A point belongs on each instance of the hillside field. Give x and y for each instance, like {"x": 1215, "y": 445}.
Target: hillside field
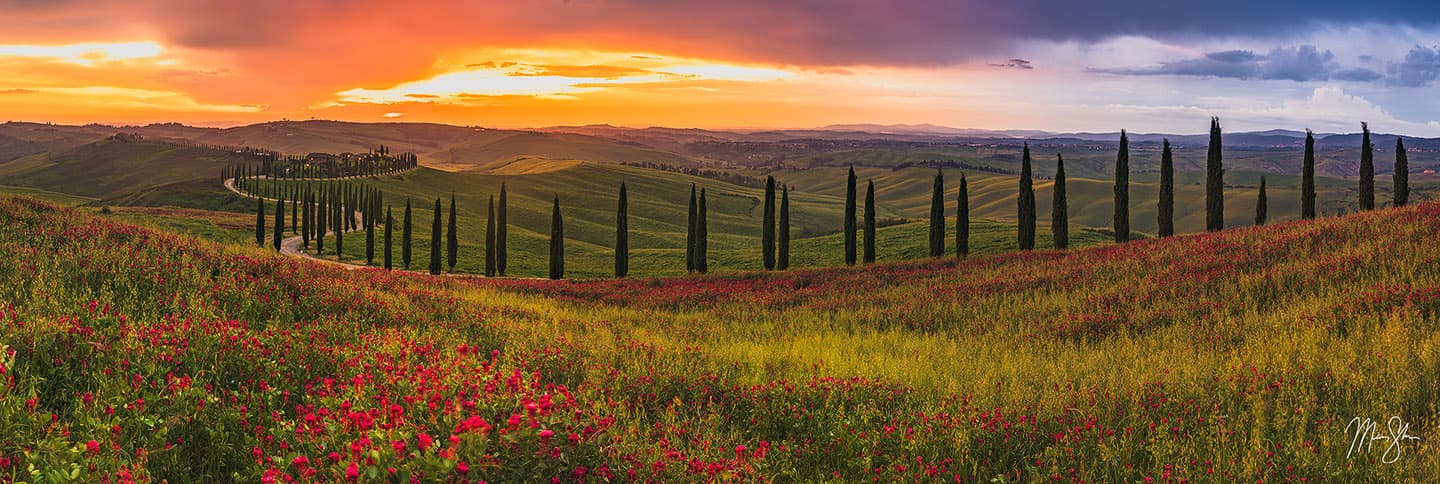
{"x": 132, "y": 353}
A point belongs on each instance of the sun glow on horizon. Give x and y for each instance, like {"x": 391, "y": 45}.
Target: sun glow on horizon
{"x": 89, "y": 53}
{"x": 479, "y": 78}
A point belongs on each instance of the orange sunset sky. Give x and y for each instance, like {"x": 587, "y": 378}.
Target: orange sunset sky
{"x": 1038, "y": 64}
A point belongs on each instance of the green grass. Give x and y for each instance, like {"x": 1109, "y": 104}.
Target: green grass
{"x": 62, "y": 199}
{"x": 110, "y": 168}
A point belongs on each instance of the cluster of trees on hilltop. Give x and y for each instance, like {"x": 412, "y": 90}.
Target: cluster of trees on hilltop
{"x": 273, "y": 165}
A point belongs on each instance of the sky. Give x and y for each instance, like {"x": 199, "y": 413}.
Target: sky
{"x": 1058, "y": 65}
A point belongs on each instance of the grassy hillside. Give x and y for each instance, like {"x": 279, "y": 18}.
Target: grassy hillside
{"x": 1232, "y": 356}
{"x": 446, "y": 147}
{"x": 112, "y": 168}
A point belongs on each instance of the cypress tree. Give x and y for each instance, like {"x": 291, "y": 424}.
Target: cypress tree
{"x": 850, "y": 217}
{"x": 557, "y": 242}
{"x": 1122, "y": 190}
{"x": 937, "y": 216}
{"x": 435, "y": 235}
{"x": 1026, "y": 210}
{"x": 305, "y": 221}
{"x": 869, "y": 221}
{"x": 490, "y": 240}
{"x": 389, "y": 234}
{"x": 452, "y": 240}
{"x": 1402, "y": 174}
{"x": 1059, "y": 210}
{"x": 783, "y": 259}
{"x": 1367, "y": 170}
{"x": 962, "y": 219}
{"x": 340, "y": 215}
{"x": 1214, "y": 181}
{"x": 405, "y": 237}
{"x": 259, "y": 221}
{"x": 622, "y": 235}
{"x": 279, "y": 222}
{"x": 320, "y": 221}
{"x": 1307, "y": 183}
{"x": 1261, "y": 204}
{"x": 702, "y": 236}
{"x": 500, "y": 233}
{"x": 1165, "y": 211}
{"x": 369, "y": 241}
{"x": 767, "y": 230}
{"x": 690, "y": 229}
{"x": 294, "y": 211}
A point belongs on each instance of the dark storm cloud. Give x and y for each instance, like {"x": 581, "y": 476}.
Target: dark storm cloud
{"x": 1014, "y": 64}
{"x": 1304, "y": 63}
{"x": 798, "y": 32}
{"x": 1420, "y": 67}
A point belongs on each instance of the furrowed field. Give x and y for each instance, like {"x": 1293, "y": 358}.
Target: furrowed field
{"x": 137, "y": 355}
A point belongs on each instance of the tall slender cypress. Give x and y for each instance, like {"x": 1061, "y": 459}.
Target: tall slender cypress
{"x": 937, "y": 215}
{"x": 1307, "y": 182}
{"x": 782, "y": 261}
{"x": 452, "y": 239}
{"x": 767, "y": 231}
{"x": 1122, "y": 190}
{"x": 1367, "y": 170}
{"x": 340, "y": 217}
{"x": 1214, "y": 181}
{"x": 279, "y": 222}
{"x": 850, "y": 217}
{"x": 1026, "y": 210}
{"x": 259, "y": 221}
{"x": 435, "y": 235}
{"x": 1059, "y": 210}
{"x": 490, "y": 240}
{"x": 405, "y": 237}
{"x": 500, "y": 232}
{"x": 1261, "y": 204}
{"x": 869, "y": 255}
{"x": 305, "y": 221}
{"x": 369, "y": 241}
{"x": 294, "y": 211}
{"x": 962, "y": 219}
{"x": 389, "y": 234}
{"x": 622, "y": 235}
{"x": 702, "y": 238}
{"x": 557, "y": 242}
{"x": 1402, "y": 174}
{"x": 690, "y": 229}
{"x": 1165, "y": 211}
{"x": 321, "y": 219}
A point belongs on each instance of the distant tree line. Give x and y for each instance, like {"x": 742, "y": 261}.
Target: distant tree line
{"x": 274, "y": 166}
{"x": 719, "y": 175}
{"x": 954, "y": 165}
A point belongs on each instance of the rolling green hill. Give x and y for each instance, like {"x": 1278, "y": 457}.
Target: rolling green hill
{"x": 116, "y": 167}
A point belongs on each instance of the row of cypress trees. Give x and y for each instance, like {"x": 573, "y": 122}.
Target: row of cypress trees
{"x": 1214, "y": 191}
{"x": 330, "y": 204}
{"x": 318, "y": 212}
